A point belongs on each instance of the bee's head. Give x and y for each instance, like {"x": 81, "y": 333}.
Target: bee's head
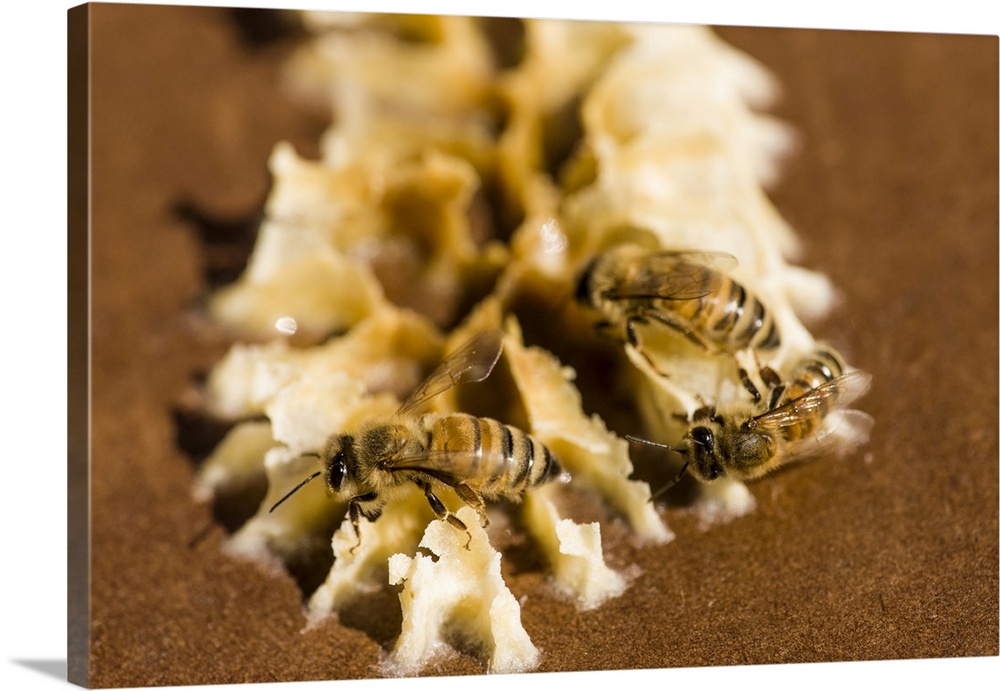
{"x": 338, "y": 454}
{"x": 702, "y": 451}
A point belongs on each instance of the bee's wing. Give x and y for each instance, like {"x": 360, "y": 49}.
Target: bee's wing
{"x": 836, "y": 393}
{"x": 451, "y": 466}
{"x": 677, "y": 275}
{"x": 471, "y": 363}
{"x": 841, "y": 432}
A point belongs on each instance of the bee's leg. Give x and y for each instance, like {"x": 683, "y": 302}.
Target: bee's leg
{"x": 777, "y": 390}
{"x": 633, "y": 339}
{"x": 749, "y": 385}
{"x": 688, "y": 332}
{"x": 705, "y": 412}
{"x": 770, "y": 377}
{"x": 772, "y": 380}
{"x": 776, "y": 394}
{"x": 633, "y": 336}
{"x": 472, "y": 498}
{"x": 767, "y": 373}
{"x": 777, "y": 387}
{"x": 442, "y": 512}
{"x": 354, "y": 511}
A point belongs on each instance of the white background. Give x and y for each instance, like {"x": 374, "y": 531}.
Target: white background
{"x": 33, "y": 269}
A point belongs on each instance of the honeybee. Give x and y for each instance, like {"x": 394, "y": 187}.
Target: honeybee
{"x": 687, "y": 291}
{"x": 477, "y": 457}
{"x": 748, "y": 440}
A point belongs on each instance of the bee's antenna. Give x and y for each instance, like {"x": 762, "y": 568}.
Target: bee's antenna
{"x": 670, "y": 484}
{"x": 296, "y": 489}
{"x": 639, "y": 440}
{"x": 677, "y": 479}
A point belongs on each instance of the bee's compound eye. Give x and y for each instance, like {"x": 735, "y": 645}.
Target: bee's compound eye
{"x": 714, "y": 471}
{"x": 703, "y": 437}
{"x": 338, "y": 470}
{"x": 338, "y": 449}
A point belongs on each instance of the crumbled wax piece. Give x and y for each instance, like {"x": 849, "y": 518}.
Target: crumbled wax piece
{"x": 573, "y": 552}
{"x": 540, "y": 243}
{"x": 681, "y": 81}
{"x": 675, "y": 156}
{"x": 456, "y": 593}
{"x": 810, "y": 294}
{"x": 296, "y": 527}
{"x": 312, "y": 207}
{"x": 446, "y": 75}
{"x": 360, "y": 561}
{"x": 305, "y": 410}
{"x": 325, "y": 292}
{"x": 723, "y": 501}
{"x": 387, "y": 351}
{"x": 233, "y": 389}
{"x": 594, "y": 457}
{"x": 238, "y": 458}
{"x": 560, "y": 60}
{"x": 338, "y": 243}
{"x": 845, "y": 431}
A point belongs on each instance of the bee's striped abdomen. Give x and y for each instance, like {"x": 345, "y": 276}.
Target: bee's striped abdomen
{"x": 493, "y": 458}
{"x": 823, "y": 365}
{"x": 730, "y": 318}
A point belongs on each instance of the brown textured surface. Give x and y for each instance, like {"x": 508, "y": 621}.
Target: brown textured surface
{"x": 894, "y": 192}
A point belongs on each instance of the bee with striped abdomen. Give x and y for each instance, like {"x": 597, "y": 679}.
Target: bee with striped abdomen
{"x": 479, "y": 458}
{"x": 687, "y": 291}
{"x": 748, "y": 440}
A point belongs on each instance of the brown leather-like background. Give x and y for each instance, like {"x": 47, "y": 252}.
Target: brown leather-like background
{"x": 890, "y": 553}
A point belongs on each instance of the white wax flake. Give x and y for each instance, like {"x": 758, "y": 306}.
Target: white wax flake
{"x": 539, "y": 243}
{"x": 359, "y": 565}
{"x": 457, "y": 593}
{"x": 573, "y": 552}
{"x": 294, "y": 526}
{"x": 308, "y": 410}
{"x": 237, "y": 459}
{"x": 722, "y": 501}
{"x": 286, "y": 326}
{"x": 593, "y": 456}
{"x": 845, "y": 430}
{"x": 328, "y": 290}
{"x": 553, "y": 239}
{"x": 234, "y": 389}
